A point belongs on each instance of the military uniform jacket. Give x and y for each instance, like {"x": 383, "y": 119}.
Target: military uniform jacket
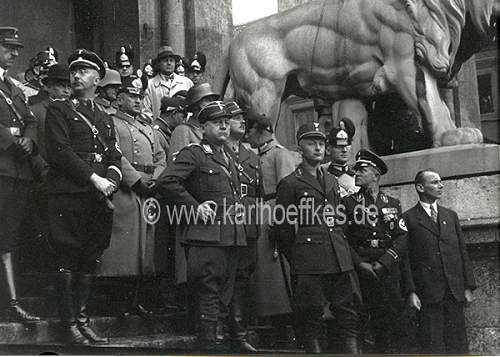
{"x": 142, "y": 155}
{"x": 437, "y": 255}
{"x": 275, "y": 162}
{"x": 376, "y": 229}
{"x": 247, "y": 164}
{"x": 183, "y": 135}
{"x": 316, "y": 243}
{"x": 13, "y": 163}
{"x": 200, "y": 173}
{"x": 74, "y": 152}
{"x": 345, "y": 178}
{"x": 164, "y": 133}
{"x": 106, "y": 106}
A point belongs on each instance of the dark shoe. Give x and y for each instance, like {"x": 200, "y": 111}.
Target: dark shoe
{"x": 313, "y": 346}
{"x": 242, "y": 346}
{"x": 17, "y": 313}
{"x": 91, "y": 335}
{"x": 71, "y": 335}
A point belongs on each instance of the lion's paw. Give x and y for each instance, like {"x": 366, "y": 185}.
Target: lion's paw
{"x": 461, "y": 136}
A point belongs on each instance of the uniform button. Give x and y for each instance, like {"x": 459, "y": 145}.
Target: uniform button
{"x": 374, "y": 224}
{"x": 331, "y": 229}
{"x": 135, "y": 162}
{"x": 374, "y": 233}
{"x": 135, "y": 140}
{"x": 210, "y": 171}
{"x": 308, "y": 239}
{"x": 305, "y": 193}
{"x": 234, "y": 193}
{"x": 136, "y": 151}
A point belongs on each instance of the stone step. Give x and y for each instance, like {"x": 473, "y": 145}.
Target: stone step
{"x": 172, "y": 344}
{"x": 47, "y": 330}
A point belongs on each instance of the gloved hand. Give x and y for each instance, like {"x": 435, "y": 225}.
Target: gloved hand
{"x": 141, "y": 188}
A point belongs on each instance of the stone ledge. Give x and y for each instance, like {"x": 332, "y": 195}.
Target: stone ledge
{"x": 450, "y": 161}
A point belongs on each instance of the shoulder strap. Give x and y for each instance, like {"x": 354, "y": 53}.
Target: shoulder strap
{"x": 11, "y": 105}
{"x": 92, "y": 128}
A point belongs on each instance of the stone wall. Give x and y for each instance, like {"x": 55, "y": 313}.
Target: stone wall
{"x": 471, "y": 177}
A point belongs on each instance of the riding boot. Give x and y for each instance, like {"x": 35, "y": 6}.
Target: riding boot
{"x": 238, "y": 331}
{"x": 312, "y": 330}
{"x": 207, "y": 336}
{"x": 352, "y": 346}
{"x": 69, "y": 328}
{"x": 14, "y": 310}
{"x": 84, "y": 283}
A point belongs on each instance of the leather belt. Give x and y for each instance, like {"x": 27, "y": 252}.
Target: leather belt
{"x": 147, "y": 169}
{"x": 90, "y": 156}
{"x": 376, "y": 244}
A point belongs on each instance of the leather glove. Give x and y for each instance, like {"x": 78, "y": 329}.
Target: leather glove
{"x": 140, "y": 188}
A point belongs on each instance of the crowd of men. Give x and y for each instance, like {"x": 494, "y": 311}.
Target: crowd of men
{"x": 102, "y": 144}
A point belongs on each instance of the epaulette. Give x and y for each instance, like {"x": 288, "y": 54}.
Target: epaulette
{"x": 298, "y": 172}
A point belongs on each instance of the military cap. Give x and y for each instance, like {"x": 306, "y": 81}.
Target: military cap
{"x": 57, "y": 72}
{"x": 172, "y": 103}
{"x": 10, "y": 36}
{"x": 212, "y": 111}
{"x": 234, "y": 109}
{"x": 85, "y": 58}
{"x": 112, "y": 77}
{"x": 309, "y": 131}
{"x": 167, "y": 51}
{"x": 342, "y": 135}
{"x": 46, "y": 58}
{"x": 124, "y": 56}
{"x": 255, "y": 119}
{"x": 198, "y": 92}
{"x": 366, "y": 158}
{"x": 132, "y": 86}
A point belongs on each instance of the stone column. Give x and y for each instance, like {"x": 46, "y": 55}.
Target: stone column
{"x": 149, "y": 29}
{"x": 172, "y": 25}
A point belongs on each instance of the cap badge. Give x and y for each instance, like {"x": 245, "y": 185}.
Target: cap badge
{"x": 122, "y": 49}
{"x": 316, "y": 126}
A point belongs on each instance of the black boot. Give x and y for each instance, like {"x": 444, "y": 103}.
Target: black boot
{"x": 84, "y": 283}
{"x": 69, "y": 328}
{"x": 14, "y": 310}
{"x": 312, "y": 345}
{"x": 238, "y": 331}
{"x": 207, "y": 336}
{"x": 352, "y": 346}
{"x": 313, "y": 329}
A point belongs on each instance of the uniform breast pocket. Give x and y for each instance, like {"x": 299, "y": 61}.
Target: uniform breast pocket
{"x": 210, "y": 179}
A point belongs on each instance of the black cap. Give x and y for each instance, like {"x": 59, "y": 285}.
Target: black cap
{"x": 57, "y": 72}
{"x": 234, "y": 109}
{"x": 132, "y": 86}
{"x": 124, "y": 56}
{"x": 10, "y": 36}
{"x": 85, "y": 58}
{"x": 367, "y": 158}
{"x": 342, "y": 135}
{"x": 212, "y": 111}
{"x": 255, "y": 119}
{"x": 172, "y": 103}
{"x": 198, "y": 62}
{"x": 181, "y": 94}
{"x": 310, "y": 130}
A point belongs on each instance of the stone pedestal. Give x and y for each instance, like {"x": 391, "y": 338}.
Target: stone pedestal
{"x": 471, "y": 176}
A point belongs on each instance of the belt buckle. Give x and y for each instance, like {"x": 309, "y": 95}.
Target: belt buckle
{"x": 97, "y": 157}
{"x": 374, "y": 243}
{"x": 243, "y": 189}
{"x": 15, "y": 131}
{"x": 330, "y": 221}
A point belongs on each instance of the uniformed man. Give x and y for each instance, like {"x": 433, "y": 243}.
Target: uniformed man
{"x": 166, "y": 83}
{"x": 319, "y": 254}
{"x": 108, "y": 91}
{"x": 132, "y": 249}
{"x": 203, "y": 180}
{"x": 84, "y": 172}
{"x": 172, "y": 114}
{"x": 378, "y": 234}
{"x": 339, "y": 148}
{"x": 123, "y": 61}
{"x": 247, "y": 163}
{"x": 17, "y": 146}
{"x": 196, "y": 67}
{"x": 272, "y": 275}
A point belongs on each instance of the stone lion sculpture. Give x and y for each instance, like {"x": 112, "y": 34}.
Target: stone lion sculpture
{"x": 339, "y": 49}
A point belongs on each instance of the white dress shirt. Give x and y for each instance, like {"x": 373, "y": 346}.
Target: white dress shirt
{"x": 427, "y": 207}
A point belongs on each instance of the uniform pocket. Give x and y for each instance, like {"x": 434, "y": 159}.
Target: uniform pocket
{"x": 210, "y": 179}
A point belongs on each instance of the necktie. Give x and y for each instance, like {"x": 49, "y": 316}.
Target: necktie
{"x": 434, "y": 214}
{"x": 319, "y": 176}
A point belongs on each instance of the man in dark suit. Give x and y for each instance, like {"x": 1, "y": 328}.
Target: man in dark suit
{"x": 203, "y": 181}
{"x": 85, "y": 164}
{"x": 440, "y": 279}
{"x": 17, "y": 146}
{"x": 319, "y": 254}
